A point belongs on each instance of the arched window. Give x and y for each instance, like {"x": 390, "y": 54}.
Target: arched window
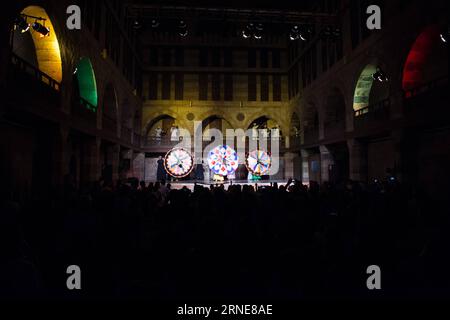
{"x": 86, "y": 84}
{"x": 426, "y": 61}
{"x": 40, "y": 52}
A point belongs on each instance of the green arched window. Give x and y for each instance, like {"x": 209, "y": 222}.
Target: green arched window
{"x": 86, "y": 84}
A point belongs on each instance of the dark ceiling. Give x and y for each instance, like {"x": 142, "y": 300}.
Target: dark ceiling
{"x": 304, "y": 5}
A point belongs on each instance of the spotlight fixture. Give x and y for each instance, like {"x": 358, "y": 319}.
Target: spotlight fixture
{"x": 327, "y": 31}
{"x": 253, "y": 30}
{"x": 154, "y": 23}
{"x": 301, "y": 33}
{"x": 379, "y": 75}
{"x": 331, "y": 32}
{"x": 336, "y": 32}
{"x": 248, "y": 31}
{"x": 182, "y": 28}
{"x": 258, "y": 34}
{"x": 246, "y": 34}
{"x": 137, "y": 24}
{"x": 294, "y": 33}
{"x": 21, "y": 23}
{"x": 304, "y": 35}
{"x": 43, "y": 30}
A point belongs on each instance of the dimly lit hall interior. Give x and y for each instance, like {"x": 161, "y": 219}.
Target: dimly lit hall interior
{"x": 208, "y": 151}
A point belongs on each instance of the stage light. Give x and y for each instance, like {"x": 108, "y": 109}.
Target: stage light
{"x": 303, "y": 36}
{"x": 182, "y": 24}
{"x": 137, "y": 24}
{"x": 182, "y": 28}
{"x": 303, "y": 33}
{"x": 246, "y": 34}
{"x": 21, "y": 23}
{"x": 43, "y": 30}
{"x": 259, "y": 27}
{"x": 248, "y": 31}
{"x": 379, "y": 75}
{"x": 294, "y": 34}
{"x": 327, "y": 31}
{"x": 337, "y": 32}
{"x": 155, "y": 23}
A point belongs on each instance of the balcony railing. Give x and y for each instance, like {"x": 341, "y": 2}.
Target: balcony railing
{"x": 163, "y": 141}
{"x": 376, "y": 110}
{"x": 168, "y": 142}
{"x": 426, "y": 87}
{"x": 28, "y": 68}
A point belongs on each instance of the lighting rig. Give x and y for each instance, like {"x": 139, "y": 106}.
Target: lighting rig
{"x": 21, "y": 23}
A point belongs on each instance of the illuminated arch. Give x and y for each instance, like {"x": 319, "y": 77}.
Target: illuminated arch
{"x": 414, "y": 71}
{"x": 47, "y": 50}
{"x": 363, "y": 88}
{"x": 215, "y": 121}
{"x": 86, "y": 82}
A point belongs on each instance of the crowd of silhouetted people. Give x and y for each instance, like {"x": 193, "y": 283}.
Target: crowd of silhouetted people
{"x": 283, "y": 241}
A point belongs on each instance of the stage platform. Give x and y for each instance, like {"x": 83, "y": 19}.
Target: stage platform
{"x": 190, "y": 183}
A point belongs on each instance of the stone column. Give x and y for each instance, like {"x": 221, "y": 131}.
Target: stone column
{"x": 137, "y": 165}
{"x": 357, "y": 152}
{"x": 60, "y": 157}
{"x": 305, "y": 164}
{"x": 326, "y": 160}
{"x": 289, "y": 165}
{"x": 113, "y": 157}
{"x": 91, "y": 160}
{"x": 126, "y": 154}
{"x": 396, "y": 107}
